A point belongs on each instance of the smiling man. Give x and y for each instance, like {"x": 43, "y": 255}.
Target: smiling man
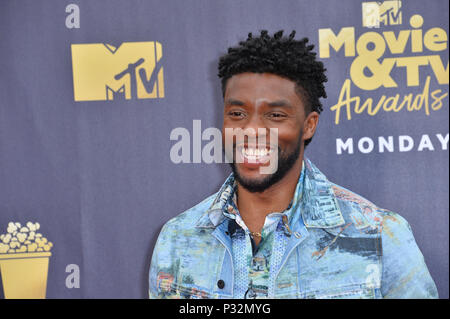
{"x": 287, "y": 232}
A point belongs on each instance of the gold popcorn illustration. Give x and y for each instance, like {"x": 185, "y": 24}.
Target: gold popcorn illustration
{"x": 24, "y": 258}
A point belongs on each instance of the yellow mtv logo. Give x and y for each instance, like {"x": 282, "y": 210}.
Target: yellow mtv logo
{"x": 104, "y": 72}
{"x": 387, "y": 13}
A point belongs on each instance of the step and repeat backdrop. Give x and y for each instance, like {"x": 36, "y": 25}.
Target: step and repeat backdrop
{"x": 96, "y": 97}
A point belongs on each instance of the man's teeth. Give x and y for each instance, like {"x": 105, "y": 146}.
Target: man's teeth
{"x": 255, "y": 152}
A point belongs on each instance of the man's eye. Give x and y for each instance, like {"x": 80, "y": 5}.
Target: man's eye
{"x": 277, "y": 115}
{"x": 235, "y": 113}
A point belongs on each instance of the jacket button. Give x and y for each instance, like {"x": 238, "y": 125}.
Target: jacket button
{"x": 221, "y": 284}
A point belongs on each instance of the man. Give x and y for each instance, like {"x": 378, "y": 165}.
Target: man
{"x": 290, "y": 233}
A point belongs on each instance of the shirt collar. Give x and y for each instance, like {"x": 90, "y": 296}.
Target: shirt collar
{"x": 231, "y": 211}
{"x": 313, "y": 198}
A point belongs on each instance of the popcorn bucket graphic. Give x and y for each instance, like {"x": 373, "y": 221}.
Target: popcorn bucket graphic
{"x": 24, "y": 258}
{"x": 24, "y": 275}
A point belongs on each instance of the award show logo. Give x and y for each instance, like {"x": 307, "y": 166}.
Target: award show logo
{"x": 132, "y": 70}
{"x": 407, "y": 69}
{"x": 387, "y": 13}
{"x": 24, "y": 259}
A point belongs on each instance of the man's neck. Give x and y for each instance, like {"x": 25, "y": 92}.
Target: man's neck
{"x": 254, "y": 207}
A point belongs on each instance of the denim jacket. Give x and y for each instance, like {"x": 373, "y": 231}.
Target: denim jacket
{"x": 341, "y": 246}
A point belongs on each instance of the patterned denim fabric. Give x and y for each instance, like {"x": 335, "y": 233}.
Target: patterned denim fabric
{"x": 340, "y": 245}
{"x": 255, "y": 274}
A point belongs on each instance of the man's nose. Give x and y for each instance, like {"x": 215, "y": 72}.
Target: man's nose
{"x": 257, "y": 126}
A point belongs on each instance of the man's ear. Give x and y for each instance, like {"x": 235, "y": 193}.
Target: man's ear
{"x": 310, "y": 125}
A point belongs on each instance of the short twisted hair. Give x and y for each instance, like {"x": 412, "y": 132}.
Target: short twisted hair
{"x": 283, "y": 56}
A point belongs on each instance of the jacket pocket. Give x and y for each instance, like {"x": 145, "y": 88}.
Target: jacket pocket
{"x": 344, "y": 292}
{"x": 190, "y": 291}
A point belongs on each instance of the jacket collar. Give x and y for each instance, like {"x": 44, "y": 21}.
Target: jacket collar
{"x": 214, "y": 214}
{"x": 318, "y": 205}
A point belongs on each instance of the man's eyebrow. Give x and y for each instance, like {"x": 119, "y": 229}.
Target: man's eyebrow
{"x": 280, "y": 103}
{"x": 277, "y": 103}
{"x": 234, "y": 102}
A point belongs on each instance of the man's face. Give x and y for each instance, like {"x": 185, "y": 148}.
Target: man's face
{"x": 263, "y": 101}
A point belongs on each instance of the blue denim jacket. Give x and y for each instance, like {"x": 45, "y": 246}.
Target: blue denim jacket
{"x": 340, "y": 246}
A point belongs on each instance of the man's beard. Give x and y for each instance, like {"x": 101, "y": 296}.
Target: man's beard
{"x": 285, "y": 162}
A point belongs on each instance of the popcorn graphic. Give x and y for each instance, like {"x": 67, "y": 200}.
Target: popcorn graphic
{"x": 24, "y": 258}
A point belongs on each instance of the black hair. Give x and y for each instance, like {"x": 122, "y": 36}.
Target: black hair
{"x": 282, "y": 56}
